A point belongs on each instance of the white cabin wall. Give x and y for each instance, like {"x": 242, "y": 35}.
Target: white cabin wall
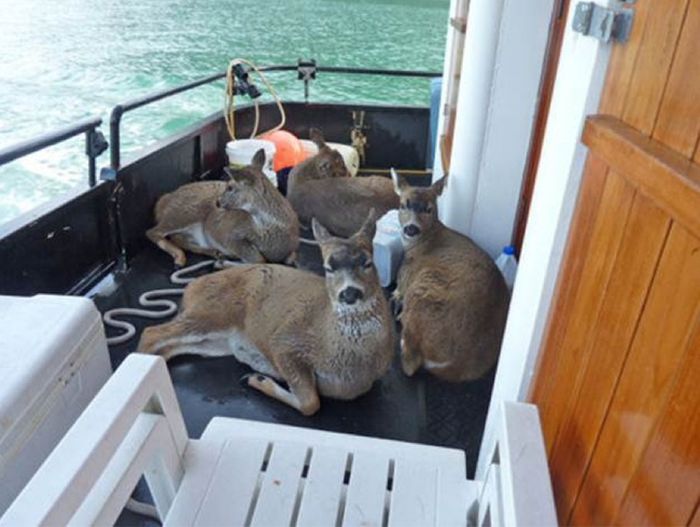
{"x": 513, "y": 103}
{"x": 480, "y": 43}
{"x": 579, "y": 83}
{"x": 505, "y": 49}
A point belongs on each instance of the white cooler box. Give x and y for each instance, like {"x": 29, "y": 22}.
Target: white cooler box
{"x": 53, "y": 360}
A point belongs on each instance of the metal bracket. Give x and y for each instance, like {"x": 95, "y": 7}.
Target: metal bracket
{"x": 603, "y": 23}
{"x": 306, "y": 71}
{"x": 96, "y": 143}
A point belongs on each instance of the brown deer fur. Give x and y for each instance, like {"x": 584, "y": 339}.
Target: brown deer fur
{"x": 332, "y": 337}
{"x": 244, "y": 218}
{"x": 322, "y": 188}
{"x": 454, "y": 299}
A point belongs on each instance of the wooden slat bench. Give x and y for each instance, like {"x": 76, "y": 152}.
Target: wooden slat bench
{"x": 250, "y": 473}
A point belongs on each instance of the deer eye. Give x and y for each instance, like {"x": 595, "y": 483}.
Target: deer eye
{"x": 330, "y": 267}
{"x": 367, "y": 265}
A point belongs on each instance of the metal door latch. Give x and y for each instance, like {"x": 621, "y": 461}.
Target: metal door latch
{"x": 603, "y": 23}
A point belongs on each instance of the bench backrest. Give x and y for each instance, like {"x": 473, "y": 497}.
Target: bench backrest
{"x": 132, "y": 428}
{"x": 517, "y": 489}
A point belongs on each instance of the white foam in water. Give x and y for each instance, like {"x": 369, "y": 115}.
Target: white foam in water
{"x": 48, "y": 82}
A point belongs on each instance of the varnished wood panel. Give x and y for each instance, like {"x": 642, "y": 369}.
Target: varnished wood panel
{"x": 666, "y": 486}
{"x": 576, "y": 251}
{"x": 668, "y": 177}
{"x": 619, "y": 359}
{"x": 678, "y": 124}
{"x": 657, "y": 48}
{"x": 649, "y": 373}
{"x": 605, "y": 344}
{"x": 579, "y": 320}
{"x": 622, "y": 62}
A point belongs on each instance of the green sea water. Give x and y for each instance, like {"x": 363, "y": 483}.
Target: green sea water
{"x": 62, "y": 60}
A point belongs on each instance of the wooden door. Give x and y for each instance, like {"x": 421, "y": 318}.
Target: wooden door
{"x": 618, "y": 384}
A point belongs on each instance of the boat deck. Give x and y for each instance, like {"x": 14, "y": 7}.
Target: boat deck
{"x": 421, "y": 409}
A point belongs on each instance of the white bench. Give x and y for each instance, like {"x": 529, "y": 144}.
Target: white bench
{"x": 250, "y": 473}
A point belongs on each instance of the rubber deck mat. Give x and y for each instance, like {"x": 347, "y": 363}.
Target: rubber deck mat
{"x": 420, "y": 409}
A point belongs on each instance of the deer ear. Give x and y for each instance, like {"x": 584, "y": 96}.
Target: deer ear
{"x": 320, "y": 232}
{"x": 439, "y": 185}
{"x": 240, "y": 176}
{"x": 369, "y": 227}
{"x": 317, "y": 137}
{"x": 259, "y": 159}
{"x": 399, "y": 183}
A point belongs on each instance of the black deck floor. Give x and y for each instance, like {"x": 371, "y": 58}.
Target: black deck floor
{"x": 419, "y": 409}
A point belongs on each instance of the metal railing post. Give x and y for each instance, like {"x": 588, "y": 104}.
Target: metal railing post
{"x": 115, "y": 120}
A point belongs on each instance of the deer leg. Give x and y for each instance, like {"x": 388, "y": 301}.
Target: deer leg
{"x": 411, "y": 358}
{"x": 158, "y": 237}
{"x": 248, "y": 252}
{"x": 302, "y": 393}
{"x": 181, "y": 336}
{"x": 184, "y": 243}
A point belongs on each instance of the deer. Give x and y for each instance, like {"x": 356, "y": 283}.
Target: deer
{"x": 321, "y": 187}
{"x": 452, "y": 298}
{"x": 244, "y": 218}
{"x": 329, "y": 336}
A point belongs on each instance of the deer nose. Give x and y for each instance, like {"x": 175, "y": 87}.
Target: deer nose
{"x": 350, "y": 295}
{"x": 411, "y": 230}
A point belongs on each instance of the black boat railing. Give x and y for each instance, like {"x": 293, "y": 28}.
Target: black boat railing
{"x": 95, "y": 144}
{"x": 120, "y": 109}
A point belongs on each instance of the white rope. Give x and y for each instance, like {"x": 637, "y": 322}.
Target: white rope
{"x": 152, "y": 300}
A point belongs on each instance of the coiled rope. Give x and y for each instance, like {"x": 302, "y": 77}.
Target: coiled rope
{"x": 151, "y": 300}
{"x": 230, "y": 101}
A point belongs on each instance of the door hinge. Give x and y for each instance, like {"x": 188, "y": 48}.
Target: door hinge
{"x": 603, "y": 23}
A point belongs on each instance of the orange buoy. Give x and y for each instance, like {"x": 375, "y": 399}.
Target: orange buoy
{"x": 289, "y": 150}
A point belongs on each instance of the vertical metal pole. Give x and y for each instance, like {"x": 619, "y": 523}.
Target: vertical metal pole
{"x": 92, "y": 180}
{"x": 114, "y": 123}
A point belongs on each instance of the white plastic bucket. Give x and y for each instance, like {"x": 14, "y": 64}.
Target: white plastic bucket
{"x": 350, "y": 155}
{"x": 241, "y": 151}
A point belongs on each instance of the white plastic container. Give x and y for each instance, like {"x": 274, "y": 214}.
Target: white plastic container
{"x": 53, "y": 360}
{"x": 241, "y": 151}
{"x": 508, "y": 265}
{"x": 388, "y": 247}
{"x": 350, "y": 155}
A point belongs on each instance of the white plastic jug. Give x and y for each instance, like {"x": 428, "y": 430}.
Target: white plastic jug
{"x": 508, "y": 265}
{"x": 241, "y": 151}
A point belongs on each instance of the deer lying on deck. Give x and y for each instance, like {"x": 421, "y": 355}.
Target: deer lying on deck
{"x": 321, "y": 187}
{"x": 454, "y": 299}
{"x": 332, "y": 336}
{"x": 245, "y": 218}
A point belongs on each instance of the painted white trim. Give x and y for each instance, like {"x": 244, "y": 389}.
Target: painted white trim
{"x": 580, "y": 78}
{"x": 504, "y": 54}
{"x": 512, "y": 109}
{"x": 480, "y": 43}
